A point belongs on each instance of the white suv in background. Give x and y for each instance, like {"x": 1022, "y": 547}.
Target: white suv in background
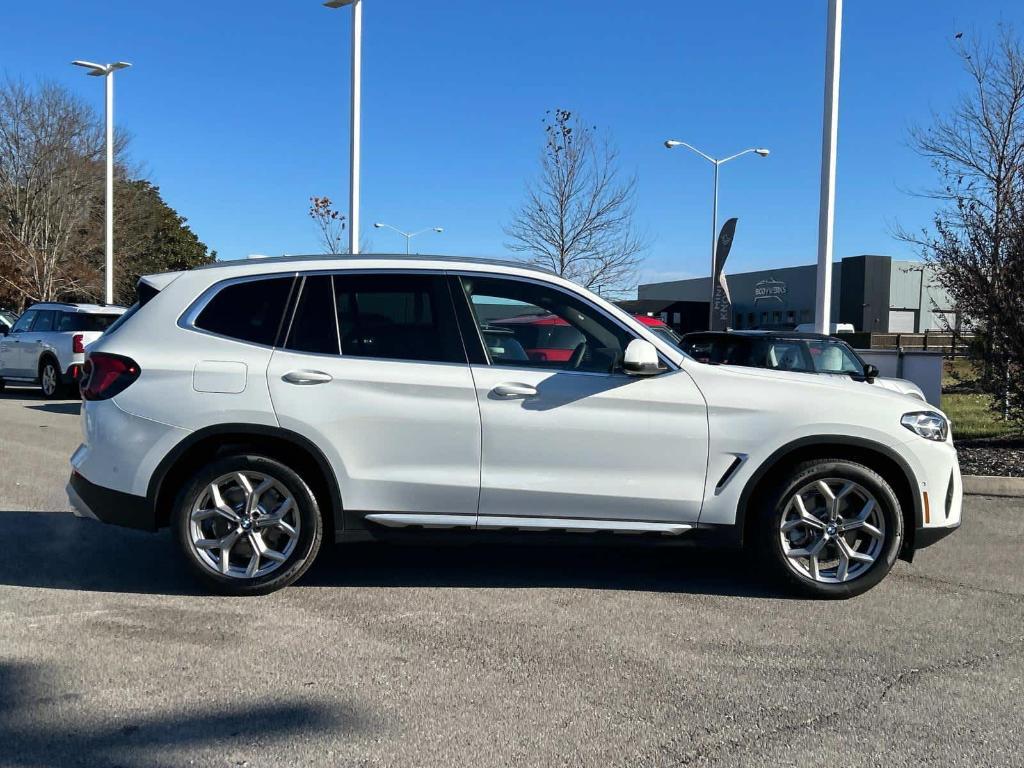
{"x": 47, "y": 345}
{"x": 257, "y": 407}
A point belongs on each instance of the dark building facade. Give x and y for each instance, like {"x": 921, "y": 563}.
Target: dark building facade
{"x": 872, "y": 293}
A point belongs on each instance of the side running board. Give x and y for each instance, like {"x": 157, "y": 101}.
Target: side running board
{"x": 495, "y": 523}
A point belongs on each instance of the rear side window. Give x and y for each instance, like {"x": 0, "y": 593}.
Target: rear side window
{"x": 398, "y": 317}
{"x": 248, "y": 311}
{"x": 83, "y": 321}
{"x": 314, "y": 327}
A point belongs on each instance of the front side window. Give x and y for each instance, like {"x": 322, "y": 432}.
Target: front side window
{"x": 397, "y": 317}
{"x": 25, "y": 321}
{"x": 830, "y": 357}
{"x": 666, "y": 333}
{"x": 524, "y": 324}
{"x": 44, "y": 321}
{"x": 248, "y": 311}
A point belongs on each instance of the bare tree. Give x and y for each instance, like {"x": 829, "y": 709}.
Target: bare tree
{"x": 51, "y": 145}
{"x": 330, "y": 224}
{"x": 977, "y": 244}
{"x": 578, "y": 216}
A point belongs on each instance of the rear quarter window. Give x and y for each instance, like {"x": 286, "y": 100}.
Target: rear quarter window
{"x": 248, "y": 311}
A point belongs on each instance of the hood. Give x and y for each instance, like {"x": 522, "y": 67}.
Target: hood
{"x": 835, "y": 382}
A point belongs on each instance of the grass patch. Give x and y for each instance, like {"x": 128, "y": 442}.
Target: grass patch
{"x": 972, "y": 417}
{"x": 968, "y": 409}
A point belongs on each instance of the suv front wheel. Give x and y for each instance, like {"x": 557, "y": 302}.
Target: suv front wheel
{"x": 248, "y": 525}
{"x": 833, "y": 528}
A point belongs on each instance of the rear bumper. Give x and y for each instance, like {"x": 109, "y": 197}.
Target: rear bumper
{"x": 109, "y": 506}
{"x": 73, "y": 374}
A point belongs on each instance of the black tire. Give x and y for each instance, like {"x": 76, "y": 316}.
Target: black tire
{"x": 310, "y": 528}
{"x": 3, "y": 385}
{"x": 785, "y": 569}
{"x": 59, "y": 389}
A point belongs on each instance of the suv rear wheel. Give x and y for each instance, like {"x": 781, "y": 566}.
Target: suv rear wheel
{"x": 833, "y": 528}
{"x": 248, "y": 525}
{"x": 50, "y": 379}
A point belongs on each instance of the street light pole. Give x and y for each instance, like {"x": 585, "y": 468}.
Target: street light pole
{"x": 407, "y": 235}
{"x": 355, "y": 118}
{"x": 107, "y": 71}
{"x": 829, "y": 139}
{"x": 717, "y": 163}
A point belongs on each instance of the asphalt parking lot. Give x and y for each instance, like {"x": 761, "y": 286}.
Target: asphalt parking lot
{"x": 109, "y": 655}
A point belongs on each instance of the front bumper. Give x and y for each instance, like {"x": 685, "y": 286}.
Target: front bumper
{"x": 93, "y": 501}
{"x": 925, "y": 537}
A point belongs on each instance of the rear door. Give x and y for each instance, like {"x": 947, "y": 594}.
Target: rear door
{"x": 390, "y": 399}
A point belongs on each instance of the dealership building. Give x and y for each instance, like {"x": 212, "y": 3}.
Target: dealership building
{"x": 873, "y": 293}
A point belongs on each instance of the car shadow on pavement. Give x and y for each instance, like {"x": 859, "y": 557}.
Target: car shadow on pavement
{"x": 72, "y": 408}
{"x": 44, "y": 723}
{"x": 526, "y": 566}
{"x": 59, "y": 551}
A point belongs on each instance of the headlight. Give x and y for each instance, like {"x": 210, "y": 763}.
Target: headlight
{"x": 927, "y": 424}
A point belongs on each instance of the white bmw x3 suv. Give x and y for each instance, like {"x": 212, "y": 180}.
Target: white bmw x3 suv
{"x": 257, "y": 407}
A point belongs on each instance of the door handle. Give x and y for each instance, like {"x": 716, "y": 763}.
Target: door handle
{"x": 513, "y": 389}
{"x": 305, "y": 378}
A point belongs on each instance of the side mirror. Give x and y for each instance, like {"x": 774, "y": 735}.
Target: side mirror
{"x": 641, "y": 359}
{"x": 870, "y": 372}
{"x": 3, "y": 330}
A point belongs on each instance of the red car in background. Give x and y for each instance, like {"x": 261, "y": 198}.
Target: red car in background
{"x": 549, "y": 338}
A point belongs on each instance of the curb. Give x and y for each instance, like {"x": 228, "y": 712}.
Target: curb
{"x": 986, "y": 485}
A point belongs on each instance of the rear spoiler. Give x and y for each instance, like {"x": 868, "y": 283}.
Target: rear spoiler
{"x": 159, "y": 281}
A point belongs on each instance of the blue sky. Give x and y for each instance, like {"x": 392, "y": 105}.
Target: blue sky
{"x": 239, "y": 111}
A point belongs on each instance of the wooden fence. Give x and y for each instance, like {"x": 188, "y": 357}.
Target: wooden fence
{"x": 949, "y": 344}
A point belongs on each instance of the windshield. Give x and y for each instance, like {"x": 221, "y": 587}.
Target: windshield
{"x": 7, "y": 318}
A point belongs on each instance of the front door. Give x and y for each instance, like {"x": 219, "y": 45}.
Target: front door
{"x": 389, "y": 399}
{"x": 566, "y": 434}
{"x": 12, "y": 359}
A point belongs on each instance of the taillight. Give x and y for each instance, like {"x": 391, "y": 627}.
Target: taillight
{"x": 105, "y": 375}
{"x": 78, "y": 343}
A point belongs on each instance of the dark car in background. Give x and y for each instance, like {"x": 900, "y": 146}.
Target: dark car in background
{"x": 7, "y": 321}
{"x": 789, "y": 351}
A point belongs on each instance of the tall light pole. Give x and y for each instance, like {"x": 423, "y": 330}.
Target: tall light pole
{"x": 829, "y": 138}
{"x": 353, "y": 178}
{"x": 717, "y": 162}
{"x": 107, "y": 71}
{"x": 408, "y": 235}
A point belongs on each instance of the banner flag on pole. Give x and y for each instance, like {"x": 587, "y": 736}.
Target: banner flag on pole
{"x": 722, "y": 302}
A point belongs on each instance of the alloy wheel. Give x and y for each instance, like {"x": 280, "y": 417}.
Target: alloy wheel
{"x": 832, "y": 531}
{"x": 49, "y": 380}
{"x": 244, "y": 525}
